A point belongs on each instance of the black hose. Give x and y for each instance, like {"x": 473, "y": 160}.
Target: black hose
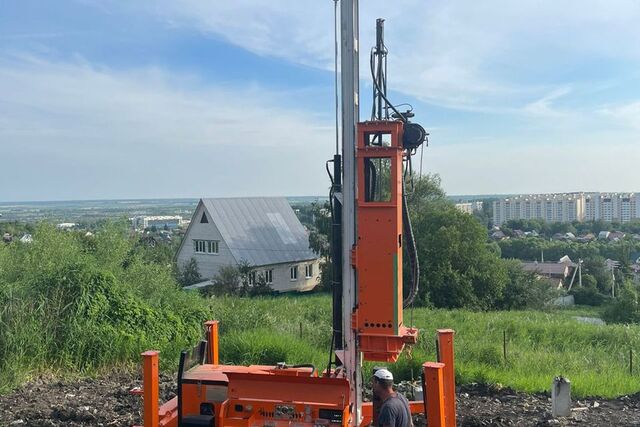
{"x": 306, "y": 365}
{"x": 412, "y": 249}
{"x": 375, "y": 83}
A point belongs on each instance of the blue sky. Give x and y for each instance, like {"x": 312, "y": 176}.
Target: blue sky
{"x": 190, "y": 98}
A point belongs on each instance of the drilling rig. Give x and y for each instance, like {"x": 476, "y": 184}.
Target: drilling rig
{"x": 370, "y": 231}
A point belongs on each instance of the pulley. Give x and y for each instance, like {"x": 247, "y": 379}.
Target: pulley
{"x": 414, "y": 135}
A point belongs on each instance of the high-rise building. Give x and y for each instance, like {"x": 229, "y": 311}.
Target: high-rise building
{"x": 568, "y": 207}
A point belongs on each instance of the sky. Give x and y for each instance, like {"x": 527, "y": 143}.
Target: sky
{"x": 193, "y": 98}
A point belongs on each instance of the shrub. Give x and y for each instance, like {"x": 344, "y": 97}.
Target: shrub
{"x": 588, "y": 296}
{"x": 625, "y": 308}
{"x": 67, "y": 302}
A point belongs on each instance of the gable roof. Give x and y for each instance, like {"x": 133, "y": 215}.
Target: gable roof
{"x": 546, "y": 268}
{"x": 260, "y": 230}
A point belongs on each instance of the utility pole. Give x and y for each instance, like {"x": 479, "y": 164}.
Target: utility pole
{"x": 349, "y": 46}
{"x": 580, "y": 272}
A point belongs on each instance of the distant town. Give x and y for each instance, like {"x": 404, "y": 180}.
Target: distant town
{"x": 568, "y": 207}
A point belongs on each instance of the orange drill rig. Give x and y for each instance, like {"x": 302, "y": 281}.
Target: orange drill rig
{"x": 370, "y": 231}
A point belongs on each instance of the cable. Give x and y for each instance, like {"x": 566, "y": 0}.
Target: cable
{"x": 375, "y": 83}
{"x": 326, "y": 165}
{"x": 413, "y": 251}
{"x": 335, "y": 63}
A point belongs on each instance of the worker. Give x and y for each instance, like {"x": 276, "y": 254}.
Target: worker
{"x": 394, "y": 411}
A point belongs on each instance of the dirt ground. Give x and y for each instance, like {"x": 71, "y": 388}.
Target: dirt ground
{"x": 106, "y": 401}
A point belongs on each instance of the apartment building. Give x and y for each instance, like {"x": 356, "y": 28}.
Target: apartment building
{"x": 549, "y": 207}
{"x": 568, "y": 207}
{"x": 621, "y": 207}
{"x": 469, "y": 207}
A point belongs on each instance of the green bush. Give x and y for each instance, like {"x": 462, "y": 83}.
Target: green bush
{"x": 625, "y": 308}
{"x": 78, "y": 304}
{"x": 588, "y": 296}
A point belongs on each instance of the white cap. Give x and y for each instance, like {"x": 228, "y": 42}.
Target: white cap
{"x": 383, "y": 374}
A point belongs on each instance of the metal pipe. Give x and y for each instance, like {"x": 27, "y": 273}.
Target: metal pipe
{"x": 350, "y": 116}
{"x": 434, "y": 394}
{"x": 212, "y": 337}
{"x": 336, "y": 252}
{"x": 150, "y": 388}
{"x": 445, "y": 355}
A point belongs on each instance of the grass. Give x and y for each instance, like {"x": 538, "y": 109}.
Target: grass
{"x": 76, "y": 304}
{"x": 540, "y": 345}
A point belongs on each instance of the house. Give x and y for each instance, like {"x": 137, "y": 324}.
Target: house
{"x": 614, "y": 236}
{"x": 159, "y": 222}
{"x": 66, "y": 226}
{"x": 554, "y": 272}
{"x": 498, "y": 235}
{"x": 26, "y": 238}
{"x": 261, "y": 231}
{"x": 586, "y": 238}
{"x": 603, "y": 234}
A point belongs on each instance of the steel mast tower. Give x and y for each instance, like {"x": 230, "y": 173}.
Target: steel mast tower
{"x": 350, "y": 89}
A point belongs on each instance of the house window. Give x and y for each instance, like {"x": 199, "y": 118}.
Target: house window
{"x": 204, "y": 219}
{"x": 294, "y": 272}
{"x": 308, "y": 271}
{"x": 252, "y": 278}
{"x": 205, "y": 246}
{"x": 268, "y": 276}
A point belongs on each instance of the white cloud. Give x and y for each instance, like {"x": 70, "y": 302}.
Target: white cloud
{"x": 627, "y": 114}
{"x": 464, "y": 54}
{"x": 78, "y": 100}
{"x": 543, "y": 107}
{"x": 73, "y": 130}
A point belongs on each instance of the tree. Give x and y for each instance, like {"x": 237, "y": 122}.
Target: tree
{"x": 227, "y": 281}
{"x": 523, "y": 289}
{"x": 458, "y": 269}
{"x": 320, "y": 235}
{"x": 625, "y": 308}
{"x": 189, "y": 273}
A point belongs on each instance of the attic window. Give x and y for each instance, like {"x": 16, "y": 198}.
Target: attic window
{"x": 204, "y": 219}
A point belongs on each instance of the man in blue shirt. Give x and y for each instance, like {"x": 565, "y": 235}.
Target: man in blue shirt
{"x": 395, "y": 410}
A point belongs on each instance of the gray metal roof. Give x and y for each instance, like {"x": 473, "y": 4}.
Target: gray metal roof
{"x": 260, "y": 230}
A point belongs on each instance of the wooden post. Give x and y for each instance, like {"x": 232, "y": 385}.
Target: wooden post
{"x": 212, "y": 336}
{"x": 150, "y": 389}
{"x": 446, "y": 356}
{"x": 434, "y": 394}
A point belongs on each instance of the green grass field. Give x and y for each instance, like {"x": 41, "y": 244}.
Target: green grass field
{"x": 540, "y": 345}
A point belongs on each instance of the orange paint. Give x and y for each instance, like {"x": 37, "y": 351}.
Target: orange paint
{"x": 434, "y": 394}
{"x": 150, "y": 388}
{"x": 211, "y": 327}
{"x": 378, "y": 251}
{"x": 445, "y": 349}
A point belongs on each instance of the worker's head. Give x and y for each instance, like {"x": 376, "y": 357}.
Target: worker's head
{"x": 382, "y": 380}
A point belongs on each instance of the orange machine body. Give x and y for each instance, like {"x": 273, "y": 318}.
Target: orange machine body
{"x": 245, "y": 396}
{"x": 378, "y": 252}
{"x": 214, "y": 395}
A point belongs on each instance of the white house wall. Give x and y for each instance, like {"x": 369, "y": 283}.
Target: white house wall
{"x": 282, "y": 276}
{"x": 208, "y": 264}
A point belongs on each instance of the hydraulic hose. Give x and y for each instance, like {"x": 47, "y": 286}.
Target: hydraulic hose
{"x": 411, "y": 248}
